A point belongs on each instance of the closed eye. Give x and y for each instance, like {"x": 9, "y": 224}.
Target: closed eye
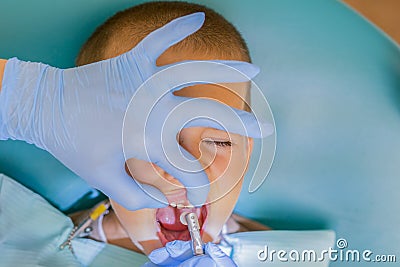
{"x": 218, "y": 143}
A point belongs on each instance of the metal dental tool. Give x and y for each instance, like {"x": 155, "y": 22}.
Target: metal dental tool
{"x": 83, "y": 226}
{"x": 191, "y": 220}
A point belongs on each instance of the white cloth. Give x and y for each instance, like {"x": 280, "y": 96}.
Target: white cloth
{"x": 31, "y": 231}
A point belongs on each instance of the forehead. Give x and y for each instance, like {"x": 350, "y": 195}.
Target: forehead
{"x": 232, "y": 94}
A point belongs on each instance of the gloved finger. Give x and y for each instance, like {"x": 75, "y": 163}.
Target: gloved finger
{"x": 147, "y": 173}
{"x": 199, "y": 261}
{"x": 189, "y": 113}
{"x": 148, "y": 145}
{"x": 181, "y": 164}
{"x": 149, "y": 264}
{"x": 154, "y": 44}
{"x": 218, "y": 256}
{"x": 131, "y": 196}
{"x": 195, "y": 182}
{"x": 118, "y": 185}
{"x": 179, "y": 250}
{"x": 174, "y": 76}
{"x": 172, "y": 254}
{"x": 160, "y": 257}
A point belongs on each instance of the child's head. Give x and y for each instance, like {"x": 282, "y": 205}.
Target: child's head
{"x": 224, "y": 156}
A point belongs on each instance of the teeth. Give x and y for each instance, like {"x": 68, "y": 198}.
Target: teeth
{"x": 181, "y": 205}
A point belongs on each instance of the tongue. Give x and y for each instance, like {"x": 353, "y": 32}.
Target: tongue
{"x": 169, "y": 217}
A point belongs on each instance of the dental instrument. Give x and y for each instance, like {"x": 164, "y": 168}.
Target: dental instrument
{"x": 191, "y": 220}
{"x": 83, "y": 228}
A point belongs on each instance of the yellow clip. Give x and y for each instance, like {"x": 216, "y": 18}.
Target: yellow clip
{"x": 98, "y": 211}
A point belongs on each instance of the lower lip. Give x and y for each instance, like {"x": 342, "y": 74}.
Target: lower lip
{"x": 173, "y": 229}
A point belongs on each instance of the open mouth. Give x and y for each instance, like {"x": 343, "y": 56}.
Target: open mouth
{"x": 171, "y": 228}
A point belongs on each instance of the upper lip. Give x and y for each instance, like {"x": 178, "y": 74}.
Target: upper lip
{"x": 177, "y": 196}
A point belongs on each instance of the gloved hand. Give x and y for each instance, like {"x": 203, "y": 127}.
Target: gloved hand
{"x": 162, "y": 121}
{"x": 179, "y": 253}
{"x": 77, "y": 114}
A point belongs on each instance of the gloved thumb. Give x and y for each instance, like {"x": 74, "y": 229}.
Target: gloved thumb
{"x": 218, "y": 256}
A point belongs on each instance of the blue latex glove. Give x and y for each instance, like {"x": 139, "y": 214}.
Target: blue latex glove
{"x": 77, "y": 114}
{"x": 179, "y": 253}
{"x": 159, "y": 141}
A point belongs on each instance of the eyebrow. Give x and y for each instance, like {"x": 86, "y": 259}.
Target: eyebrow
{"x": 218, "y": 131}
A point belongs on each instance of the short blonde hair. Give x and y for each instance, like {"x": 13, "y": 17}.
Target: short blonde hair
{"x": 124, "y": 30}
{"x": 217, "y": 38}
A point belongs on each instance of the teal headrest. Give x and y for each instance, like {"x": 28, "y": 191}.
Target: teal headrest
{"x": 333, "y": 82}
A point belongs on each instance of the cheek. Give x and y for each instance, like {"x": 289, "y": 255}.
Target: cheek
{"x": 139, "y": 168}
{"x": 218, "y": 167}
{"x": 230, "y": 164}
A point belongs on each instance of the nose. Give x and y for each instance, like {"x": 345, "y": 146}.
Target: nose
{"x": 151, "y": 174}
{"x": 165, "y": 175}
{"x": 174, "y": 192}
